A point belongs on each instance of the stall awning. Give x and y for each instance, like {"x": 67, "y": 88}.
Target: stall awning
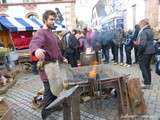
{"x": 59, "y": 26}
{"x": 18, "y": 24}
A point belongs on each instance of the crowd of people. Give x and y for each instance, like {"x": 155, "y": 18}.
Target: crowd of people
{"x": 118, "y": 41}
{"x": 74, "y": 42}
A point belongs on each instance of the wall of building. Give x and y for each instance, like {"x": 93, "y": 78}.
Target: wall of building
{"x": 144, "y": 9}
{"x": 21, "y": 10}
{"x": 134, "y": 12}
{"x": 152, "y": 12}
{"x": 158, "y": 26}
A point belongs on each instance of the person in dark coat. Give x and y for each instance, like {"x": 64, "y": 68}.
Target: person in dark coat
{"x": 83, "y": 42}
{"x": 146, "y": 50}
{"x": 71, "y": 52}
{"x": 118, "y": 41}
{"x": 135, "y": 34}
{"x": 106, "y": 38}
{"x": 44, "y": 46}
{"x": 128, "y": 47}
{"x": 96, "y": 44}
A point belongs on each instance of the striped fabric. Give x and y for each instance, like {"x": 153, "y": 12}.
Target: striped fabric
{"x": 24, "y": 24}
{"x": 18, "y": 24}
{"x": 58, "y": 26}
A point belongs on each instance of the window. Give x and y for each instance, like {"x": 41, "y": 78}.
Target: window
{"x": 32, "y": 16}
{"x": 3, "y": 1}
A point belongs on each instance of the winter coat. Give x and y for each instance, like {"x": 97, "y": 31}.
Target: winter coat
{"x": 128, "y": 41}
{"x": 146, "y": 45}
{"x": 96, "y": 42}
{"x": 106, "y": 37}
{"x": 118, "y": 38}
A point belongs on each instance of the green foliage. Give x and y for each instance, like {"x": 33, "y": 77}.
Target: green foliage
{"x": 3, "y": 51}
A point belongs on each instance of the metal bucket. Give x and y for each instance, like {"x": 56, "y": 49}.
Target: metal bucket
{"x": 12, "y": 56}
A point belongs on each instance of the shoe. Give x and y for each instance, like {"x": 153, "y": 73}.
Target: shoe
{"x": 128, "y": 66}
{"x": 105, "y": 61}
{"x": 143, "y": 86}
{"x": 112, "y": 59}
{"x": 115, "y": 63}
{"x": 121, "y": 64}
{"x": 135, "y": 62}
{"x": 124, "y": 65}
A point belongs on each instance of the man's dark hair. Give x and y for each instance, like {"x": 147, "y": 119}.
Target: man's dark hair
{"x": 47, "y": 14}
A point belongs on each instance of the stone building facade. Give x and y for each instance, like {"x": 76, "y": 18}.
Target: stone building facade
{"x": 152, "y": 12}
{"x": 35, "y": 8}
{"x": 133, "y": 11}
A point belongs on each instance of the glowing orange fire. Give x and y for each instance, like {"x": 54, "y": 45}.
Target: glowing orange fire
{"x": 93, "y": 72}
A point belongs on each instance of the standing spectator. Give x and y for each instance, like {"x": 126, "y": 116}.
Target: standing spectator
{"x": 59, "y": 35}
{"x": 64, "y": 40}
{"x": 112, "y": 45}
{"x": 83, "y": 42}
{"x": 128, "y": 47}
{"x": 118, "y": 40}
{"x": 106, "y": 38}
{"x": 72, "y": 48}
{"x": 134, "y": 39}
{"x": 146, "y": 50}
{"x": 96, "y": 43}
{"x": 45, "y": 47}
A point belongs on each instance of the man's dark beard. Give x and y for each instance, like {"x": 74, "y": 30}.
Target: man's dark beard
{"x": 50, "y": 27}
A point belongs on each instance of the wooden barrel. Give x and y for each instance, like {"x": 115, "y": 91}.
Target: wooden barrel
{"x": 90, "y": 59}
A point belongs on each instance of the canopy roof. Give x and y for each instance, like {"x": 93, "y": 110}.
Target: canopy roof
{"x": 18, "y": 24}
{"x": 24, "y": 24}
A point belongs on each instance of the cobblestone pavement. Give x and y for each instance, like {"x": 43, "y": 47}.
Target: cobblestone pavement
{"x": 152, "y": 95}
{"x": 20, "y": 96}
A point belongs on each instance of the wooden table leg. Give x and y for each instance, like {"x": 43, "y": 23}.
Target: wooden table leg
{"x": 67, "y": 109}
{"x": 75, "y": 106}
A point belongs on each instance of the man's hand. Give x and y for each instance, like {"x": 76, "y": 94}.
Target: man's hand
{"x": 40, "y": 53}
{"x": 65, "y": 60}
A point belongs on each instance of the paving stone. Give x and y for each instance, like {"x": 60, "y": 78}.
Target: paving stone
{"x": 21, "y": 95}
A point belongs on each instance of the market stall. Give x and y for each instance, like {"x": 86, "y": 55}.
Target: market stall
{"x": 16, "y": 34}
{"x": 17, "y": 30}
